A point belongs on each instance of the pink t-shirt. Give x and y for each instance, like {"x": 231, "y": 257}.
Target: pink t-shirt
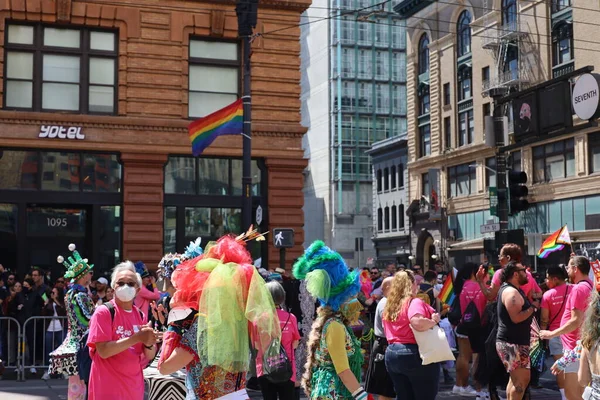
{"x": 526, "y": 288}
{"x": 399, "y": 330}
{"x": 143, "y": 299}
{"x": 118, "y": 377}
{"x": 289, "y": 334}
{"x": 472, "y": 292}
{"x": 553, "y": 301}
{"x": 578, "y": 299}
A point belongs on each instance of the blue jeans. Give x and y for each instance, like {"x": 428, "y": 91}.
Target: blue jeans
{"x": 412, "y": 380}
{"x": 53, "y": 340}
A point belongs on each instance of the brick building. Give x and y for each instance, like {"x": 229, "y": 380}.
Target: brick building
{"x": 96, "y": 101}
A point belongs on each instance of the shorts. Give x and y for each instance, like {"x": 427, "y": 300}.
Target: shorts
{"x": 378, "y": 380}
{"x": 572, "y": 368}
{"x": 555, "y": 346}
{"x": 513, "y": 356}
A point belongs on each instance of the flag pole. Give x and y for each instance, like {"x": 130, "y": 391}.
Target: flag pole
{"x": 246, "y": 11}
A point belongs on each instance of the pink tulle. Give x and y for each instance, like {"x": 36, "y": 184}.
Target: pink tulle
{"x": 366, "y": 286}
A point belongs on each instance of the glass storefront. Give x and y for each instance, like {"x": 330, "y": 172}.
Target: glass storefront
{"x": 54, "y": 198}
{"x": 203, "y": 198}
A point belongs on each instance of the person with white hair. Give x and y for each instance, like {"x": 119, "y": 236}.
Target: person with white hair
{"x": 120, "y": 344}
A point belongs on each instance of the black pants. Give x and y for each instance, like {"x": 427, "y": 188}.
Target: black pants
{"x": 274, "y": 391}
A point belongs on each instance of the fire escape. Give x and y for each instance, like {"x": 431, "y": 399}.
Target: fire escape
{"x": 504, "y": 39}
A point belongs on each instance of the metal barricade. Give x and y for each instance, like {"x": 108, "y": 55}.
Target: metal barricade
{"x": 37, "y": 342}
{"x": 10, "y": 350}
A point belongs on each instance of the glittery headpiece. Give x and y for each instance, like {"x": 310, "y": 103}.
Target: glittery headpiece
{"x": 75, "y": 265}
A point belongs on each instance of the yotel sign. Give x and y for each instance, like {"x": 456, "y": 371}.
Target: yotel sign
{"x": 61, "y": 132}
{"x": 586, "y": 96}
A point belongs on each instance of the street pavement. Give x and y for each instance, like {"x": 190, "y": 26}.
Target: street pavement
{"x": 56, "y": 389}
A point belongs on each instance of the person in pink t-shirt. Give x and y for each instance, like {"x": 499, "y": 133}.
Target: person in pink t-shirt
{"x": 120, "y": 346}
{"x": 148, "y": 291}
{"x": 509, "y": 252}
{"x": 553, "y": 307}
{"x": 572, "y": 318}
{"x": 290, "y": 338}
{"x": 402, "y": 311}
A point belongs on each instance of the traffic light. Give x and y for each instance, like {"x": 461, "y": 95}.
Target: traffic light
{"x": 517, "y": 192}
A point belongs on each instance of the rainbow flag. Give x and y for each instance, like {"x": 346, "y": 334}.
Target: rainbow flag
{"x": 447, "y": 293}
{"x": 226, "y": 121}
{"x": 555, "y": 242}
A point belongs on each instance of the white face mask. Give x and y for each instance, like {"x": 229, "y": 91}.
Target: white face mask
{"x": 125, "y": 293}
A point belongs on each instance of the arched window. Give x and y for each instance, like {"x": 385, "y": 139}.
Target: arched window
{"x": 379, "y": 181}
{"x": 386, "y": 179}
{"x": 393, "y": 177}
{"x": 379, "y": 219}
{"x": 394, "y": 219}
{"x": 387, "y": 218}
{"x": 400, "y": 175}
{"x": 509, "y": 12}
{"x": 401, "y": 215}
{"x": 424, "y": 53}
{"x": 463, "y": 31}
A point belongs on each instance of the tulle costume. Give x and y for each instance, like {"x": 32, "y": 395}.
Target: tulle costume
{"x": 231, "y": 300}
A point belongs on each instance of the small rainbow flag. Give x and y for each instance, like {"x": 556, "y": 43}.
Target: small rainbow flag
{"x": 447, "y": 293}
{"x": 226, "y": 121}
{"x": 555, "y": 242}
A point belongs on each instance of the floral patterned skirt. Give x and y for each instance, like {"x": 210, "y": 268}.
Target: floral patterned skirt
{"x": 327, "y": 385}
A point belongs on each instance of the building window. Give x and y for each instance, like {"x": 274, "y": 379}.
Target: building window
{"x": 393, "y": 177}
{"x": 424, "y": 100}
{"x": 447, "y": 133}
{"x": 462, "y": 180}
{"x": 394, "y": 219}
{"x": 486, "y": 110}
{"x": 386, "y": 180}
{"x": 401, "y": 216}
{"x": 466, "y": 127}
{"x": 490, "y": 172}
{"x": 446, "y": 94}
{"x": 562, "y": 43}
{"x": 425, "y": 140}
{"x": 559, "y": 5}
{"x": 485, "y": 74}
{"x": 386, "y": 219}
{"x": 400, "y": 175}
{"x": 515, "y": 161}
{"x": 423, "y": 54}
{"x": 554, "y": 161}
{"x": 214, "y": 76}
{"x": 464, "y": 34}
{"x": 594, "y": 149}
{"x": 379, "y": 219}
{"x": 58, "y": 69}
{"x": 464, "y": 83}
{"x": 509, "y": 12}
{"x": 425, "y": 185}
{"x": 511, "y": 64}
{"x": 379, "y": 181}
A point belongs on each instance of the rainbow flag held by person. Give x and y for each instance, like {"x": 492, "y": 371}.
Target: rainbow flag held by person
{"x": 447, "y": 293}
{"x": 226, "y": 121}
{"x": 555, "y": 242}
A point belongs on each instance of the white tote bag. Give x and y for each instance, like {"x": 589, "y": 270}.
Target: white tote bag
{"x": 433, "y": 345}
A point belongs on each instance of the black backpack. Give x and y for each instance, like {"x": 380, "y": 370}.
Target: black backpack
{"x": 471, "y": 318}
{"x": 84, "y": 361}
{"x": 278, "y": 367}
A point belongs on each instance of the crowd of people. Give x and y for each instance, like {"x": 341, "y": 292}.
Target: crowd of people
{"x": 227, "y": 323}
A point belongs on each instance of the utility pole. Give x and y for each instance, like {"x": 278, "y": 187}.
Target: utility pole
{"x": 502, "y": 208}
{"x": 247, "y": 11}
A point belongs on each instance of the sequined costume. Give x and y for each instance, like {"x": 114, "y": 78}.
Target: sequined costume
{"x": 80, "y": 307}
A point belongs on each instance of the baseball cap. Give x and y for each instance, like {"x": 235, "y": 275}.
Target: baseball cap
{"x": 103, "y": 281}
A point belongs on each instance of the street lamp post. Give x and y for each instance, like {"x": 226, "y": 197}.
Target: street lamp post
{"x": 246, "y": 11}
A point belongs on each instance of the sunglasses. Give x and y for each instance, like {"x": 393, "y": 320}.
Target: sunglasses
{"x": 130, "y": 284}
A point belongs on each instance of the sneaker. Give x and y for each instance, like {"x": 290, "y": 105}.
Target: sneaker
{"x": 483, "y": 396}
{"x": 466, "y": 391}
{"x": 33, "y": 371}
{"x": 45, "y": 377}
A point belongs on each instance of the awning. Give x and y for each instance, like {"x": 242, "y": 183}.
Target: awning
{"x": 473, "y": 244}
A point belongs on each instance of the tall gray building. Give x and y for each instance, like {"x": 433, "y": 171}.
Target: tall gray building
{"x": 353, "y": 94}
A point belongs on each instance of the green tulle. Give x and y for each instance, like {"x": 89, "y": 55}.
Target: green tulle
{"x": 227, "y": 305}
{"x": 318, "y": 283}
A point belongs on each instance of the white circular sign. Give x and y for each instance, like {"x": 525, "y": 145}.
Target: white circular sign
{"x": 586, "y": 96}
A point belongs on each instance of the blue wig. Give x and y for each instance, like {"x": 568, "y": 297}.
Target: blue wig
{"x": 327, "y": 276}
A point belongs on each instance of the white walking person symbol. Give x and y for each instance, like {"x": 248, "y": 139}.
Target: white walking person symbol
{"x": 278, "y": 238}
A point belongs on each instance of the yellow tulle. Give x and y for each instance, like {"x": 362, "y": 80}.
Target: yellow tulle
{"x": 234, "y": 298}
